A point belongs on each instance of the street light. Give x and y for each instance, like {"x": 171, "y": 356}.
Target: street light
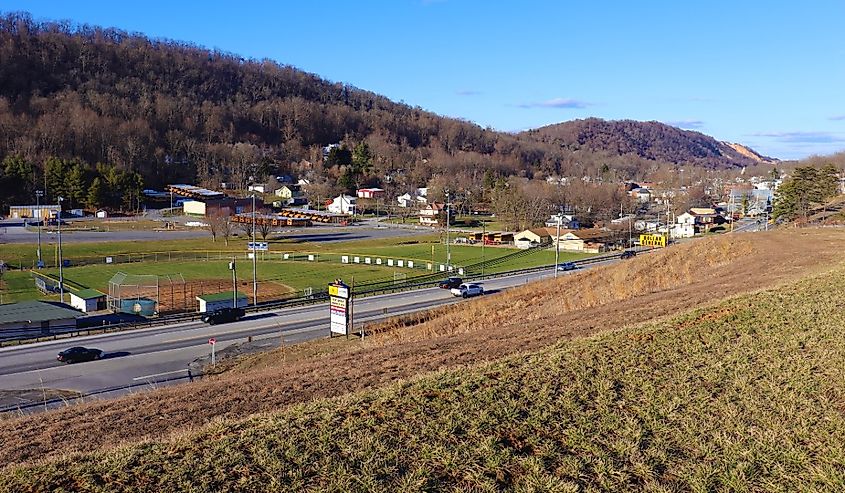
{"x": 254, "y": 258}
{"x": 557, "y": 240}
{"x": 38, "y": 195}
{"x": 61, "y": 261}
{"x": 448, "y": 251}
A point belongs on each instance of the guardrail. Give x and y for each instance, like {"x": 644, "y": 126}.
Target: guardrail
{"x": 373, "y": 289}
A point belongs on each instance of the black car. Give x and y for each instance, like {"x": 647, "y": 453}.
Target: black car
{"x": 79, "y": 353}
{"x": 449, "y": 283}
{"x": 628, "y": 254}
{"x": 223, "y": 315}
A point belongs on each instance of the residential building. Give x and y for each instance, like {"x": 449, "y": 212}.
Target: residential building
{"x": 260, "y": 188}
{"x": 43, "y": 211}
{"x": 641, "y": 194}
{"x": 291, "y": 195}
{"x": 405, "y": 200}
{"x": 211, "y": 302}
{"x": 370, "y": 193}
{"x": 433, "y": 214}
{"x": 567, "y": 221}
{"x": 343, "y": 204}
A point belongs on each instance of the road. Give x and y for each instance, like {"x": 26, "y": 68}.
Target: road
{"x": 151, "y": 355}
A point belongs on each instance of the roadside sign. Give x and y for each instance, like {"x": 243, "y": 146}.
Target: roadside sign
{"x": 212, "y": 341}
{"x": 653, "y": 240}
{"x": 338, "y": 290}
{"x": 339, "y": 308}
{"x": 260, "y": 246}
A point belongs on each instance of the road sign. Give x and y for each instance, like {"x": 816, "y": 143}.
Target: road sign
{"x": 260, "y": 246}
{"x": 339, "y": 308}
{"x": 212, "y": 341}
{"x": 338, "y": 290}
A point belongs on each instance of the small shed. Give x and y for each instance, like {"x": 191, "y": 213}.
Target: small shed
{"x": 88, "y": 300}
{"x": 102, "y": 214}
{"x": 211, "y": 302}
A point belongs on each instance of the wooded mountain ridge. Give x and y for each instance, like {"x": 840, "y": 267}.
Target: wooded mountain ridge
{"x": 174, "y": 112}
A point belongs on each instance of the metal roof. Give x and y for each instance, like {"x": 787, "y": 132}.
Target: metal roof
{"x": 219, "y": 296}
{"x": 35, "y": 311}
{"x": 88, "y": 294}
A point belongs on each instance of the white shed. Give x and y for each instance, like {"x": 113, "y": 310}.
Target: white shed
{"x": 88, "y": 300}
{"x": 211, "y": 302}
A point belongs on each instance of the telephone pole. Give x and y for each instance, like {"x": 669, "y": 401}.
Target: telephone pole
{"x": 448, "y": 251}
{"x": 254, "y": 258}
{"x": 38, "y": 195}
{"x": 61, "y": 261}
{"x": 557, "y": 240}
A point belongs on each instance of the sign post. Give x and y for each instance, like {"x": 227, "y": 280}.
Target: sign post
{"x": 339, "y": 308}
{"x": 213, "y": 343}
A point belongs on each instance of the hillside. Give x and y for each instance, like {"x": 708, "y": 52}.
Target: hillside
{"x": 649, "y": 140}
{"x": 627, "y": 409}
{"x": 99, "y": 98}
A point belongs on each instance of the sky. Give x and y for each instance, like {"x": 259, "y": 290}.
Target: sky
{"x": 767, "y": 74}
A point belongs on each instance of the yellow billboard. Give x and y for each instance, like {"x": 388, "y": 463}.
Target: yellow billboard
{"x": 653, "y": 240}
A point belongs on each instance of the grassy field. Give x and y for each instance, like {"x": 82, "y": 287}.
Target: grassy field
{"x": 744, "y": 395}
{"x": 298, "y": 275}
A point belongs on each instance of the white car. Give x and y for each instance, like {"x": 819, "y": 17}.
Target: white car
{"x": 466, "y": 290}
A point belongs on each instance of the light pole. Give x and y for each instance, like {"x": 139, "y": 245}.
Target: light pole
{"x": 61, "y": 261}
{"x": 557, "y": 240}
{"x": 38, "y": 195}
{"x": 483, "y": 241}
{"x": 254, "y": 258}
{"x": 448, "y": 251}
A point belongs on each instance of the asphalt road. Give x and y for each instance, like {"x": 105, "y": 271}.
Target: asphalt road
{"x": 152, "y": 355}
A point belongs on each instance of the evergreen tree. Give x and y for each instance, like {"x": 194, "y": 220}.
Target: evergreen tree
{"x": 56, "y": 170}
{"x": 75, "y": 185}
{"x": 96, "y": 194}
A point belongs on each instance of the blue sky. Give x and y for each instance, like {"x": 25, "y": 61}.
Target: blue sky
{"x": 766, "y": 74}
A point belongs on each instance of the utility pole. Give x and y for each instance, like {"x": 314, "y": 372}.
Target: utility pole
{"x": 483, "y": 241}
{"x": 254, "y": 258}
{"x": 448, "y": 250}
{"x": 557, "y": 240}
{"x": 232, "y": 267}
{"x": 38, "y": 195}
{"x": 61, "y": 261}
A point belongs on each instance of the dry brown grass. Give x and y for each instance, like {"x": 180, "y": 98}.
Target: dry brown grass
{"x": 645, "y": 288}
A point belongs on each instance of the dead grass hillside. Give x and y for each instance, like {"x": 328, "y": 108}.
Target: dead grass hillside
{"x": 532, "y": 317}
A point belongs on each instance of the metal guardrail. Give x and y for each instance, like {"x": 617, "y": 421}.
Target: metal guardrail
{"x": 372, "y": 289}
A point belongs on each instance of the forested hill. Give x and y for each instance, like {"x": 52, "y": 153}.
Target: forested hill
{"x": 81, "y": 103}
{"x": 650, "y": 140}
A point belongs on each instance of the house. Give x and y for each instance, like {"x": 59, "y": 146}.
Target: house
{"x": 343, "y": 204}
{"x": 211, "y": 302}
{"x": 291, "y": 195}
{"x": 405, "y": 200}
{"x": 433, "y": 214}
{"x": 695, "y": 221}
{"x": 370, "y": 193}
{"x": 43, "y": 211}
{"x": 684, "y": 226}
{"x": 567, "y": 221}
{"x": 534, "y": 237}
{"x": 41, "y": 317}
{"x": 88, "y": 300}
{"x": 260, "y": 188}
{"x": 422, "y": 195}
{"x": 641, "y": 194}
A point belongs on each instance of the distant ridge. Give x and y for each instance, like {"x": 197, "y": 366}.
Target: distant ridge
{"x": 649, "y": 140}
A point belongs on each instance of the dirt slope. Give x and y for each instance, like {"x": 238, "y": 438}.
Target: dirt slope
{"x": 645, "y": 288}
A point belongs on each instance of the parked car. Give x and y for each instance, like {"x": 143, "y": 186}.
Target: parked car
{"x": 452, "y": 282}
{"x": 628, "y": 254}
{"x": 567, "y": 266}
{"x": 466, "y": 290}
{"x": 223, "y": 315}
{"x": 78, "y": 354}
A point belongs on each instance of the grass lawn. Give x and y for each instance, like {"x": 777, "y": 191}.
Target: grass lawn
{"x": 745, "y": 395}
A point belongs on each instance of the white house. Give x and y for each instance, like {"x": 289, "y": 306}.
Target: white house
{"x": 258, "y": 188}
{"x": 567, "y": 221}
{"x": 684, "y": 226}
{"x": 343, "y": 204}
{"x": 211, "y": 302}
{"x": 433, "y": 214}
{"x": 641, "y": 194}
{"x": 405, "y": 200}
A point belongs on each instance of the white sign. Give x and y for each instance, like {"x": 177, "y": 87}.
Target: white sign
{"x": 400, "y": 263}
{"x": 311, "y": 258}
{"x": 357, "y": 260}
{"x": 261, "y": 246}
{"x": 378, "y": 261}
{"x": 109, "y": 260}
{"x": 338, "y": 315}
{"x": 442, "y": 267}
{"x": 367, "y": 260}
{"x": 390, "y": 262}
{"x": 410, "y": 264}
{"x": 344, "y": 259}
{"x": 286, "y": 256}
{"x": 461, "y": 271}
